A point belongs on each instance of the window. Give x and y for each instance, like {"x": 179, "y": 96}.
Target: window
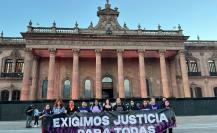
{"x": 19, "y": 66}
{"x": 8, "y": 66}
{"x": 87, "y": 88}
{"x": 44, "y": 89}
{"x": 215, "y": 91}
{"x": 212, "y": 68}
{"x": 107, "y": 80}
{"x": 192, "y": 66}
{"x": 16, "y": 95}
{"x": 5, "y": 95}
{"x": 66, "y": 89}
{"x": 127, "y": 88}
{"x": 198, "y": 92}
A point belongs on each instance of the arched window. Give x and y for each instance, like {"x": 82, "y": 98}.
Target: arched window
{"x": 8, "y": 67}
{"x": 127, "y": 88}
{"x": 44, "y": 89}
{"x": 87, "y": 88}
{"x": 5, "y": 95}
{"x": 16, "y": 95}
{"x": 215, "y": 91}
{"x": 198, "y": 92}
{"x": 66, "y": 89}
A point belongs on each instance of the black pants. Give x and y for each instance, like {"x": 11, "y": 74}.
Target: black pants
{"x": 170, "y": 130}
{"x": 36, "y": 120}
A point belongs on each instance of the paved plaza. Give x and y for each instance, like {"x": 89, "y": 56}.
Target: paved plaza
{"x": 192, "y": 124}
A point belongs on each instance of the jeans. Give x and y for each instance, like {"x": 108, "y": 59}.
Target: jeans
{"x": 28, "y": 121}
{"x": 36, "y": 120}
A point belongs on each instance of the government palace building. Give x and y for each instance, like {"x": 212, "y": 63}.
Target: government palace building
{"x": 105, "y": 60}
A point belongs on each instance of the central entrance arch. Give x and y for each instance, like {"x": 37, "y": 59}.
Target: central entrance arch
{"x": 107, "y": 87}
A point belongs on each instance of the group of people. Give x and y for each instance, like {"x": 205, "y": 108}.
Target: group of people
{"x": 96, "y": 107}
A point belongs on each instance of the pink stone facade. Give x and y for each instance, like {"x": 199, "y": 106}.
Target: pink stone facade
{"x": 106, "y": 61}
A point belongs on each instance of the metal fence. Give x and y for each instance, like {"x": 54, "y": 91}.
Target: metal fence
{"x": 15, "y": 110}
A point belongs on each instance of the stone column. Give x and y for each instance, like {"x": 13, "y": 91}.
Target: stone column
{"x": 121, "y": 89}
{"x": 173, "y": 78}
{"x": 143, "y": 86}
{"x": 164, "y": 78}
{"x": 98, "y": 74}
{"x": 186, "y": 87}
{"x": 34, "y": 78}
{"x": 26, "y": 75}
{"x": 51, "y": 71}
{"x": 75, "y": 74}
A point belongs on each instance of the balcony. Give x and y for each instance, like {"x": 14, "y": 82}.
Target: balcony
{"x": 194, "y": 73}
{"x": 11, "y": 75}
{"x": 213, "y": 73}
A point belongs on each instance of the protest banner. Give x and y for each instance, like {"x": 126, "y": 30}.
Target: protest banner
{"x": 111, "y": 122}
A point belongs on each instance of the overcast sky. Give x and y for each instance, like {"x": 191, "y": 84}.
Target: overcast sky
{"x": 197, "y": 17}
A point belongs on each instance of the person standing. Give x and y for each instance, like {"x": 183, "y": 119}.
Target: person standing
{"x": 58, "y": 107}
{"x": 163, "y": 103}
{"x": 71, "y": 108}
{"x": 84, "y": 108}
{"x": 45, "y": 113}
{"x": 29, "y": 113}
{"x": 119, "y": 106}
{"x": 145, "y": 105}
{"x": 167, "y": 106}
{"x": 36, "y": 116}
{"x": 107, "y": 106}
{"x": 132, "y": 106}
{"x": 154, "y": 105}
{"x": 96, "y": 108}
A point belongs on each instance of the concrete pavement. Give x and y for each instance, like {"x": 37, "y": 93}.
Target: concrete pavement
{"x": 192, "y": 124}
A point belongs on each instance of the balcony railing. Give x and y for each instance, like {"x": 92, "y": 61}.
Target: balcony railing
{"x": 11, "y": 75}
{"x": 194, "y": 73}
{"x": 12, "y": 39}
{"x": 213, "y": 73}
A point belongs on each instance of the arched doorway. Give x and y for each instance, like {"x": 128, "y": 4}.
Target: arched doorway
{"x": 107, "y": 87}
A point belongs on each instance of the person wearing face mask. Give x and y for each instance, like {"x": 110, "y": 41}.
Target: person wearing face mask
{"x": 71, "y": 108}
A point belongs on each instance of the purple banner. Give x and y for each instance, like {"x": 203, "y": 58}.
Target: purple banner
{"x": 111, "y": 122}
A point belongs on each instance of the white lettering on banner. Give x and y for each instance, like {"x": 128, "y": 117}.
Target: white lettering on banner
{"x": 133, "y": 122}
{"x": 64, "y": 122}
{"x": 105, "y": 120}
{"x": 151, "y": 129}
{"x": 140, "y": 119}
{"x": 75, "y": 121}
{"x": 56, "y": 122}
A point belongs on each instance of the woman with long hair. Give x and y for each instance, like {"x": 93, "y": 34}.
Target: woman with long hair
{"x": 107, "y": 105}
{"x": 71, "y": 108}
{"x": 119, "y": 106}
{"x": 96, "y": 108}
{"x": 58, "y": 107}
